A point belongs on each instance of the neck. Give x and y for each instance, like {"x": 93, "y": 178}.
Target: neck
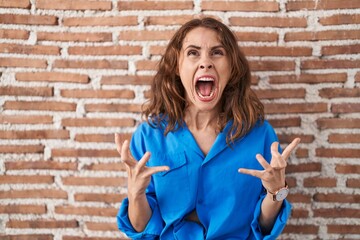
{"x": 201, "y": 120}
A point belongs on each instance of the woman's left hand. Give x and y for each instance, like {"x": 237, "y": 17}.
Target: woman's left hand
{"x": 273, "y": 175}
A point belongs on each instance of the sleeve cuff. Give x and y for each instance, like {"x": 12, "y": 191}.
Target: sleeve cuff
{"x": 153, "y": 228}
{"x": 279, "y": 224}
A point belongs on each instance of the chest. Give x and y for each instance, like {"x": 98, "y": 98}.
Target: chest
{"x": 205, "y": 140}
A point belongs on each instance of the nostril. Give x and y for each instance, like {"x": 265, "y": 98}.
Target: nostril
{"x": 210, "y": 66}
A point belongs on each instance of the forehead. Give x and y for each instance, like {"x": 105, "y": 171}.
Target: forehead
{"x": 201, "y": 37}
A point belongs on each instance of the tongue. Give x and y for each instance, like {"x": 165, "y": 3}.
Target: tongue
{"x": 204, "y": 88}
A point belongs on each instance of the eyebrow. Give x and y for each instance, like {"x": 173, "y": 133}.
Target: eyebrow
{"x": 198, "y": 47}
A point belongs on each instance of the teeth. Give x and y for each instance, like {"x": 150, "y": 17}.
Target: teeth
{"x": 206, "y": 79}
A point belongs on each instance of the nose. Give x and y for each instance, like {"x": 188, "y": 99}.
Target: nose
{"x": 206, "y": 66}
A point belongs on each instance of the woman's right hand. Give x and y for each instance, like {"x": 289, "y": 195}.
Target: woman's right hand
{"x": 139, "y": 175}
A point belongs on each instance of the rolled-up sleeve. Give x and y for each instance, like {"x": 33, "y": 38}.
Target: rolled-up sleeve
{"x": 152, "y": 229}
{"x": 279, "y": 224}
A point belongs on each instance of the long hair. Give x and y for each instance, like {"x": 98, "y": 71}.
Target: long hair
{"x": 238, "y": 102}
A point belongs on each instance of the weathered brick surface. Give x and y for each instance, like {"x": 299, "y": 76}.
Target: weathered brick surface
{"x": 72, "y": 73}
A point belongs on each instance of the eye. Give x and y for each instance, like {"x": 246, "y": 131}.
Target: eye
{"x": 218, "y": 52}
{"x": 192, "y": 53}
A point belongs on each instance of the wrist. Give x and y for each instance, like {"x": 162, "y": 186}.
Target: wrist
{"x": 279, "y": 194}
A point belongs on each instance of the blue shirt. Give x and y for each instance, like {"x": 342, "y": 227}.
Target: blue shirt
{"x": 226, "y": 201}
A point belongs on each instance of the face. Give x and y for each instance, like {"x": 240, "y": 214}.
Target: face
{"x": 204, "y": 69}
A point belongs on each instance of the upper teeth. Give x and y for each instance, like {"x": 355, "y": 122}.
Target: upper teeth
{"x": 206, "y": 79}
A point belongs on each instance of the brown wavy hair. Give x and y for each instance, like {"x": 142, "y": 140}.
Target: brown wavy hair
{"x": 167, "y": 96}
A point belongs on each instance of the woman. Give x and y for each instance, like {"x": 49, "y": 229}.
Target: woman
{"x": 205, "y": 164}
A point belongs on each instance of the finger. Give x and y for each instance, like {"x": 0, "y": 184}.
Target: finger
{"x": 152, "y": 170}
{"x": 145, "y": 158}
{"x": 287, "y": 151}
{"x": 262, "y": 161}
{"x": 255, "y": 173}
{"x": 126, "y": 156}
{"x": 118, "y": 142}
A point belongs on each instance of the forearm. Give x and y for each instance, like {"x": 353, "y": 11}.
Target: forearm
{"x": 139, "y": 212}
{"x": 269, "y": 211}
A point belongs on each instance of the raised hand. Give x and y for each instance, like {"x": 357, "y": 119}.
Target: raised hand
{"x": 139, "y": 175}
{"x": 273, "y": 175}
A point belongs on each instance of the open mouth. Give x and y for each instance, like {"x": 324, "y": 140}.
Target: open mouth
{"x": 205, "y": 88}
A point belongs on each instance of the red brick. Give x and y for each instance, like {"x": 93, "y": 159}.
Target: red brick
{"x": 35, "y": 224}
{"x": 26, "y": 91}
{"x": 288, "y": 138}
{"x": 257, "y": 36}
{"x": 344, "y": 138}
{"x": 345, "y": 107}
{"x": 71, "y": 5}
{"x": 353, "y": 183}
{"x": 14, "y": 34}
{"x": 301, "y": 229}
{"x": 326, "y": 123}
{"x": 95, "y": 64}
{"x": 101, "y": 226}
{"x": 324, "y": 35}
{"x": 309, "y": 78}
{"x": 155, "y": 5}
{"x": 314, "y": 182}
{"x": 336, "y": 212}
{"x": 338, "y": 152}
{"x": 280, "y": 93}
{"x": 280, "y": 22}
{"x": 299, "y": 213}
{"x": 347, "y": 169}
{"x": 339, "y": 92}
{"x": 357, "y": 77}
{"x": 329, "y": 64}
{"x": 86, "y": 211}
{"x": 23, "y": 209}
{"x": 277, "y": 51}
{"x": 347, "y": 49}
{"x": 39, "y": 165}
{"x": 125, "y": 93}
{"x": 21, "y": 149}
{"x": 28, "y": 179}
{"x": 343, "y": 229}
{"x": 27, "y": 236}
{"x": 40, "y": 105}
{"x": 52, "y": 77}
{"x": 29, "y": 49}
{"x": 337, "y": 197}
{"x": 272, "y": 65}
{"x": 35, "y": 134}
{"x": 15, "y": 4}
{"x": 254, "y": 6}
{"x": 321, "y": 4}
{"x": 303, "y": 167}
{"x": 99, "y": 137}
{"x": 118, "y": 167}
{"x": 37, "y": 193}
{"x": 74, "y": 37}
{"x": 302, "y": 153}
{"x": 103, "y": 107}
{"x": 94, "y": 181}
{"x": 25, "y": 119}
{"x": 28, "y": 19}
{"x": 271, "y": 108}
{"x": 101, "y": 21}
{"x": 98, "y": 122}
{"x": 94, "y": 153}
{"x": 100, "y": 197}
{"x": 285, "y": 122}
{"x": 299, "y": 198}
{"x": 167, "y": 20}
{"x": 129, "y": 79}
{"x": 146, "y": 35}
{"x": 120, "y": 237}
{"x": 340, "y": 19}
{"x": 22, "y": 62}
{"x": 106, "y": 50}
{"x": 146, "y": 65}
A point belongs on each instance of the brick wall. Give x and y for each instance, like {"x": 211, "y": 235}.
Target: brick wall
{"x": 74, "y": 72}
